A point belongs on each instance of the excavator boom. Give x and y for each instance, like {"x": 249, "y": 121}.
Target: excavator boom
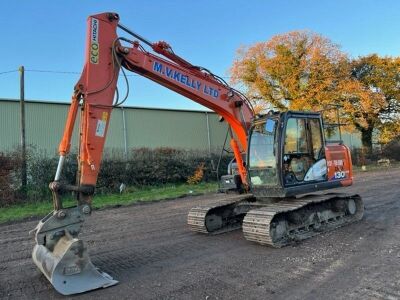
{"x": 96, "y": 88}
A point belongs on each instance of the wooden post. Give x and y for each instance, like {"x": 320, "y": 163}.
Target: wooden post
{"x": 22, "y": 122}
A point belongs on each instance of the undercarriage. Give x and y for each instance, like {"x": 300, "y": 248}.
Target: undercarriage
{"x": 274, "y": 222}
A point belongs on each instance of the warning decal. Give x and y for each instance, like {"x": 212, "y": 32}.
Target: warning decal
{"x": 101, "y": 128}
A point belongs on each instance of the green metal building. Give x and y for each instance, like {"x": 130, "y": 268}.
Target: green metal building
{"x": 130, "y": 127}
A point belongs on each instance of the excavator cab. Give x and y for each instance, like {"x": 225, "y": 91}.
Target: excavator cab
{"x": 287, "y": 155}
{"x": 288, "y": 161}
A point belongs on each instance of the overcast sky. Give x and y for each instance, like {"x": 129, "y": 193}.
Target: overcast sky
{"x": 50, "y": 35}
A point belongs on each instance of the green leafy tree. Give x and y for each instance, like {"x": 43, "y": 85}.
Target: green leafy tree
{"x": 379, "y": 108}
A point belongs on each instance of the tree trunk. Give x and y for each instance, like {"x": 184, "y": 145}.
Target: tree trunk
{"x": 366, "y": 139}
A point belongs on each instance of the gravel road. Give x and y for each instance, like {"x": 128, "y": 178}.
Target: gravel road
{"x": 151, "y": 251}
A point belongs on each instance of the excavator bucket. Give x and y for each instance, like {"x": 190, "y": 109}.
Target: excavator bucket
{"x": 63, "y": 258}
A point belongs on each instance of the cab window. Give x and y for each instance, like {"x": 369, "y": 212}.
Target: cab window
{"x": 262, "y": 160}
{"x": 316, "y": 137}
{"x": 296, "y": 136}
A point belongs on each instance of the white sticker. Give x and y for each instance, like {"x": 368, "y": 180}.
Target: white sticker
{"x": 101, "y": 128}
{"x": 340, "y": 175}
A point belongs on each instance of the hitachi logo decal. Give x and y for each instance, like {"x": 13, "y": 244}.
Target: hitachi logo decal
{"x": 94, "y": 42}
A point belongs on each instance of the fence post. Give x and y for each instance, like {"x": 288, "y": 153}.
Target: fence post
{"x": 22, "y": 122}
{"x": 125, "y": 134}
{"x": 208, "y": 134}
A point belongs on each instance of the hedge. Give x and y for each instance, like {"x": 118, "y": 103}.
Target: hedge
{"x": 142, "y": 167}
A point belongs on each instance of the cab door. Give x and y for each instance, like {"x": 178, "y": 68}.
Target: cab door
{"x": 262, "y": 157}
{"x": 303, "y": 157}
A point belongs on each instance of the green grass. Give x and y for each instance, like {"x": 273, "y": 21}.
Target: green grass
{"x": 40, "y": 209}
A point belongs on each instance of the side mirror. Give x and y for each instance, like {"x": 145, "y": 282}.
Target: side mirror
{"x": 270, "y": 126}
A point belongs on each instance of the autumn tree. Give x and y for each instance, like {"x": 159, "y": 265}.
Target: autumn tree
{"x": 379, "y": 110}
{"x": 299, "y": 70}
{"x": 389, "y": 131}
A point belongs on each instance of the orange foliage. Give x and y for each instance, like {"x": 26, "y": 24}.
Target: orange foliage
{"x": 298, "y": 70}
{"x": 380, "y": 79}
{"x": 197, "y": 176}
{"x": 301, "y": 70}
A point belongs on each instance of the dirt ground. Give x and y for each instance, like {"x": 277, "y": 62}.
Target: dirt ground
{"x": 151, "y": 251}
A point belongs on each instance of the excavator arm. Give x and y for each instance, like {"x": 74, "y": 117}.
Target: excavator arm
{"x": 105, "y": 55}
{"x": 58, "y": 253}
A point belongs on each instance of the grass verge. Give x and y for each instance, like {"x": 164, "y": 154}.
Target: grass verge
{"x": 40, "y": 209}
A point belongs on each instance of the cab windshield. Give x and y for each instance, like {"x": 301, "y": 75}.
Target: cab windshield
{"x": 262, "y": 160}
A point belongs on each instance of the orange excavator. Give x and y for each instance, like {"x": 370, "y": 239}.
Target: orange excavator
{"x": 282, "y": 159}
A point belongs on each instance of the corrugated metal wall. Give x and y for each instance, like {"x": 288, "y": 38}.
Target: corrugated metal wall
{"x": 144, "y": 127}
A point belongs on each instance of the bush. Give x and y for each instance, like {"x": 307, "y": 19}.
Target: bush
{"x": 143, "y": 167}
{"x": 389, "y": 151}
{"x": 9, "y": 167}
{"x": 146, "y": 167}
{"x": 197, "y": 176}
{"x": 392, "y": 150}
